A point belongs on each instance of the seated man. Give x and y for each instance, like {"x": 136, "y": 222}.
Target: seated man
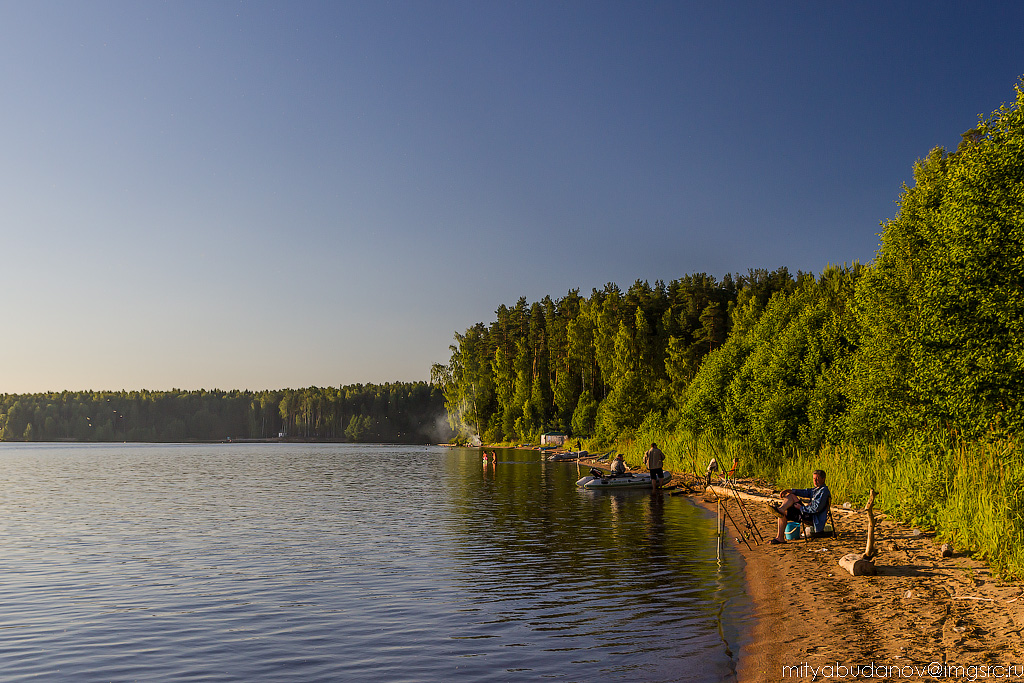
{"x": 618, "y": 466}
{"x": 793, "y": 509}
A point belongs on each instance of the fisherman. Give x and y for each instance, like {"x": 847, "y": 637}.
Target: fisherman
{"x": 712, "y": 468}
{"x": 618, "y": 466}
{"x": 792, "y": 509}
{"x": 654, "y": 459}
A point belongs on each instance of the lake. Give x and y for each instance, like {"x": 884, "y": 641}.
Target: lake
{"x": 351, "y": 562}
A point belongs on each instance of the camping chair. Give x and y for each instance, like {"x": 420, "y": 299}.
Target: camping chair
{"x": 807, "y": 528}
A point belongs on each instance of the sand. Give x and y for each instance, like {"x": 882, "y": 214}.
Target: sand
{"x": 920, "y": 610}
{"x": 922, "y": 617}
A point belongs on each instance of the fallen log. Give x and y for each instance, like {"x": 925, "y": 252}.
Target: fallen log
{"x": 857, "y": 565}
{"x": 860, "y": 564}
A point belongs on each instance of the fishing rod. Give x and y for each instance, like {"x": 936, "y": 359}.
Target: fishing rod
{"x": 693, "y": 462}
{"x": 742, "y": 533}
{"x": 746, "y": 516}
{"x": 730, "y": 485}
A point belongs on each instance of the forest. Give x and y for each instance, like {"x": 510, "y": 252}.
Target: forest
{"x": 391, "y": 412}
{"x": 903, "y": 376}
{"x": 927, "y": 336}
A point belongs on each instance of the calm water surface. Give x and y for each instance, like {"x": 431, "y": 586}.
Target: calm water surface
{"x": 270, "y": 562}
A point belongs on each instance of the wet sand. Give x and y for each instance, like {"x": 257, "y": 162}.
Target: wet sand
{"x": 920, "y": 609}
{"x": 922, "y": 617}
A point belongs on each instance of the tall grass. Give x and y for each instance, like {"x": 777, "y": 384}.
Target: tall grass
{"x": 970, "y": 493}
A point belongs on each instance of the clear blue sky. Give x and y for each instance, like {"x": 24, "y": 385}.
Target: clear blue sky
{"x": 262, "y": 195}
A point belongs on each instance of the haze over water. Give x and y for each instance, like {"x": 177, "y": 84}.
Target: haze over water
{"x": 350, "y": 562}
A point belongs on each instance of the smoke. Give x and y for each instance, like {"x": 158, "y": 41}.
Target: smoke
{"x": 463, "y": 429}
{"x": 440, "y": 431}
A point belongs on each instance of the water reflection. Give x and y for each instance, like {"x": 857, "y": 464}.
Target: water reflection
{"x": 625, "y": 580}
{"x": 343, "y": 562}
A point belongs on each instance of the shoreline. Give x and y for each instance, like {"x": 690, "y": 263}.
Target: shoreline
{"x": 759, "y": 657}
{"x": 812, "y": 618}
{"x": 921, "y": 617}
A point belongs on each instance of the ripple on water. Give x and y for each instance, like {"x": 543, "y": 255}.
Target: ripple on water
{"x": 306, "y": 563}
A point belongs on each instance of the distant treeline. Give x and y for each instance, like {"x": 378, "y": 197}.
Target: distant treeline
{"x": 929, "y": 336}
{"x": 399, "y": 412}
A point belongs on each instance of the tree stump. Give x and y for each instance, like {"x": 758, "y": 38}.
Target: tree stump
{"x": 860, "y": 564}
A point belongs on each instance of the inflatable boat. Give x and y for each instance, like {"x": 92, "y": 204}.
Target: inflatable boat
{"x": 567, "y": 455}
{"x": 631, "y": 480}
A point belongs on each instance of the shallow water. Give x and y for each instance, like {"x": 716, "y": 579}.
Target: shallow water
{"x": 269, "y": 562}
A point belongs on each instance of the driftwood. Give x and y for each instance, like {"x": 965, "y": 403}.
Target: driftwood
{"x": 860, "y": 564}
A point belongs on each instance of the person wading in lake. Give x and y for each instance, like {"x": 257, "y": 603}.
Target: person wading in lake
{"x": 793, "y": 509}
{"x": 654, "y": 459}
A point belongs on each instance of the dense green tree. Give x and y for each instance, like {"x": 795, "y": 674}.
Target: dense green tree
{"x": 581, "y": 349}
{"x": 584, "y": 417}
{"x": 942, "y": 310}
{"x": 629, "y": 400}
{"x": 541, "y": 358}
{"x": 930, "y": 334}
{"x": 397, "y": 412}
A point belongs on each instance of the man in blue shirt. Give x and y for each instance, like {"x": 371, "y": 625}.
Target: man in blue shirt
{"x": 793, "y": 509}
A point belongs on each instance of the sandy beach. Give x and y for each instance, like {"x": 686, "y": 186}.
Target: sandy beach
{"x": 922, "y": 617}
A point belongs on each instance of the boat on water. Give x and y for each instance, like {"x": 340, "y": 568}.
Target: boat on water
{"x": 567, "y": 455}
{"x": 598, "y": 480}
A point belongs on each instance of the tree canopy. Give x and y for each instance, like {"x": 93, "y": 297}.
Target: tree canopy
{"x": 927, "y": 336}
{"x": 391, "y": 412}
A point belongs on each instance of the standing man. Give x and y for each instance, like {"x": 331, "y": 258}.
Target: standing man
{"x": 654, "y": 459}
{"x": 712, "y": 468}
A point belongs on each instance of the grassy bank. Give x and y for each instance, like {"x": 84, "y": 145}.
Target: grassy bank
{"x": 970, "y": 493}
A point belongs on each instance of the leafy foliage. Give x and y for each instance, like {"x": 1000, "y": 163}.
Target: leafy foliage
{"x": 929, "y": 335}
{"x": 595, "y": 366}
{"x": 392, "y": 412}
{"x": 942, "y": 310}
